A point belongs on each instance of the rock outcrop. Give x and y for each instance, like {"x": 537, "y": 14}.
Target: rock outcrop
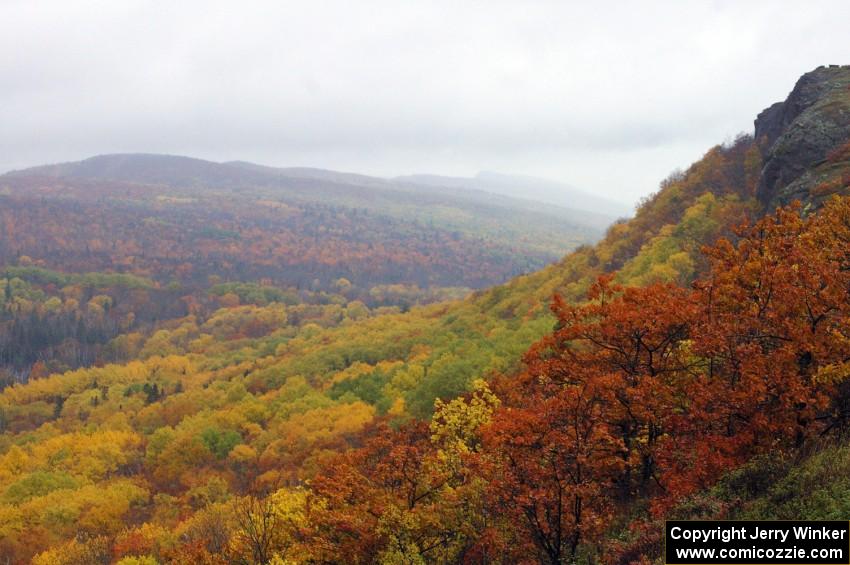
{"x": 796, "y": 137}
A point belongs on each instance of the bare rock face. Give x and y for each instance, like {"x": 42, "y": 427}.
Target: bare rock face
{"x": 796, "y": 135}
{"x": 771, "y": 121}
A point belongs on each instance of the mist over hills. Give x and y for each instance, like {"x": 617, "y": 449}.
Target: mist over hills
{"x": 532, "y": 188}
{"x": 485, "y": 191}
{"x": 298, "y": 227}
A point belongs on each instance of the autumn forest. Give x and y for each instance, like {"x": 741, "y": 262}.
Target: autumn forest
{"x": 225, "y": 363}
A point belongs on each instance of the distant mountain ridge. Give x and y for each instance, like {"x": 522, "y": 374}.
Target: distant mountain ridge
{"x": 148, "y": 168}
{"x": 468, "y": 237}
{"x": 488, "y": 189}
{"x": 532, "y": 188}
{"x": 448, "y": 186}
{"x": 313, "y": 173}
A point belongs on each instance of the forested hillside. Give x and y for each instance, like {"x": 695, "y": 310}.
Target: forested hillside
{"x": 557, "y": 417}
{"x": 520, "y": 233}
{"x": 114, "y": 245}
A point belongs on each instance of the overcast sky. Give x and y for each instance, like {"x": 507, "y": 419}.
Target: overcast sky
{"x": 607, "y": 96}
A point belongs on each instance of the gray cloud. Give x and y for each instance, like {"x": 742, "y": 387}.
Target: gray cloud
{"x": 610, "y": 97}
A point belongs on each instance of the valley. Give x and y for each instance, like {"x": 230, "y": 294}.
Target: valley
{"x": 228, "y": 363}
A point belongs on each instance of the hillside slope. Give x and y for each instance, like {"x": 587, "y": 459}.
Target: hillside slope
{"x": 177, "y": 219}
{"x": 161, "y": 456}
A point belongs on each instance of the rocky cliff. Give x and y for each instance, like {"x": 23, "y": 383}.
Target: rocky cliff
{"x": 804, "y": 140}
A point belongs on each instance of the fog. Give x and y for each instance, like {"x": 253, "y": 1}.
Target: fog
{"x": 609, "y": 98}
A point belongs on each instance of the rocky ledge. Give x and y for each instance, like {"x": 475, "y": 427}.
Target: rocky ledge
{"x": 800, "y": 137}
